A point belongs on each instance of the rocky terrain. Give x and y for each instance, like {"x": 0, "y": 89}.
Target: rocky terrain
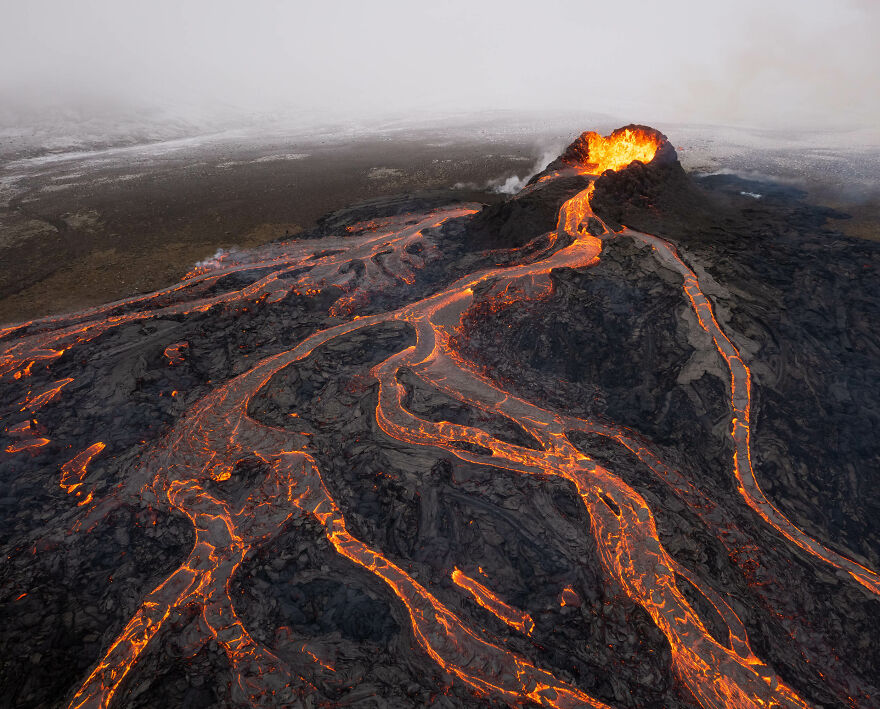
{"x": 441, "y": 453}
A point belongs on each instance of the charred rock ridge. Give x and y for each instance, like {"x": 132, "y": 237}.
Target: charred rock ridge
{"x": 462, "y": 455}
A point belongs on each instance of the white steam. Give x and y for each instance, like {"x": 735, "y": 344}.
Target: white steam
{"x": 215, "y": 261}
{"x": 514, "y": 183}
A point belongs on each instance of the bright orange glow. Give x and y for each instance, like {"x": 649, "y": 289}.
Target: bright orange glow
{"x": 594, "y": 154}
{"x": 39, "y": 400}
{"x": 215, "y": 433}
{"x": 569, "y": 597}
{"x": 74, "y": 470}
{"x": 740, "y": 404}
{"x": 28, "y": 445}
{"x": 24, "y": 371}
{"x": 174, "y": 353}
{"x": 488, "y": 600}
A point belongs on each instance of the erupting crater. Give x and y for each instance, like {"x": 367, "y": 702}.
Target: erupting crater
{"x": 593, "y": 154}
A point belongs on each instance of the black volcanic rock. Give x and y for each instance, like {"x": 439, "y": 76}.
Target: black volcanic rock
{"x": 641, "y": 194}
{"x": 523, "y": 217}
{"x": 615, "y": 343}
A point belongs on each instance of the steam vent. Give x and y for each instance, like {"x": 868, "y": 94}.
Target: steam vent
{"x": 571, "y": 449}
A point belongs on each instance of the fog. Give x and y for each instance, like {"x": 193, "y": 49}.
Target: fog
{"x": 756, "y": 63}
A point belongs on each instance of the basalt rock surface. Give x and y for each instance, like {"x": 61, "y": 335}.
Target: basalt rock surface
{"x": 615, "y": 342}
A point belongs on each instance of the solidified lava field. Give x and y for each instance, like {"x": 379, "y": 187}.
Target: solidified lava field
{"x": 462, "y": 455}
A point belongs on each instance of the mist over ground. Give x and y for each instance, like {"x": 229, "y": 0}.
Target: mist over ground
{"x": 163, "y": 69}
{"x": 129, "y": 129}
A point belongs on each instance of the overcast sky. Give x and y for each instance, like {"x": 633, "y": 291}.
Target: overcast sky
{"x": 749, "y": 62}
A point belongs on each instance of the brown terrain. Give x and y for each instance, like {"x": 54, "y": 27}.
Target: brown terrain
{"x": 93, "y": 229}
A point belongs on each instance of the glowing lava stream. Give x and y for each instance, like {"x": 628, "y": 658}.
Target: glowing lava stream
{"x": 741, "y": 387}
{"x": 482, "y": 595}
{"x": 625, "y": 531}
{"x": 206, "y": 444}
{"x": 216, "y": 433}
{"x": 298, "y": 267}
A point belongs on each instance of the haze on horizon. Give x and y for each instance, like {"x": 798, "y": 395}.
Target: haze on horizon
{"x": 771, "y": 63}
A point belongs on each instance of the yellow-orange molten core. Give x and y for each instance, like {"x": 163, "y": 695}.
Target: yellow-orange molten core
{"x": 620, "y": 149}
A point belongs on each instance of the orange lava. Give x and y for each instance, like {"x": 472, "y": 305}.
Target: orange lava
{"x": 174, "y": 353}
{"x": 569, "y": 597}
{"x": 516, "y": 619}
{"x": 215, "y": 433}
{"x": 74, "y": 470}
{"x": 740, "y": 402}
{"x": 37, "y": 401}
{"x": 27, "y": 445}
{"x": 594, "y": 154}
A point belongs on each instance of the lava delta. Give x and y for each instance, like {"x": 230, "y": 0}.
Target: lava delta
{"x": 444, "y": 454}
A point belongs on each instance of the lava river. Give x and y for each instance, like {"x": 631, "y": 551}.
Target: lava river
{"x": 216, "y": 433}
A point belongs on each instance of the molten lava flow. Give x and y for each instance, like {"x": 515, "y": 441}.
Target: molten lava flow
{"x": 740, "y": 401}
{"x": 514, "y": 618}
{"x": 384, "y": 258}
{"x": 216, "y": 433}
{"x": 74, "y": 470}
{"x": 28, "y": 435}
{"x": 174, "y": 353}
{"x": 569, "y": 597}
{"x": 37, "y": 401}
{"x": 28, "y": 445}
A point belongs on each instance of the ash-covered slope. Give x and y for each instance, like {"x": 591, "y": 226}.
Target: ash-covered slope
{"x": 460, "y": 456}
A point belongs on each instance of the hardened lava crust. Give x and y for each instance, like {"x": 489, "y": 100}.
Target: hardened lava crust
{"x": 607, "y": 443}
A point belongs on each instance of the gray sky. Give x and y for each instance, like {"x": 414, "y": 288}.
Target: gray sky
{"x": 749, "y": 62}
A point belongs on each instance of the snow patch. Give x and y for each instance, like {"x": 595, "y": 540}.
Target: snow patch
{"x": 384, "y": 173}
{"x": 265, "y": 158}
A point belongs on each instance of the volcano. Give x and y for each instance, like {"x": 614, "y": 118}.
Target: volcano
{"x": 608, "y": 443}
